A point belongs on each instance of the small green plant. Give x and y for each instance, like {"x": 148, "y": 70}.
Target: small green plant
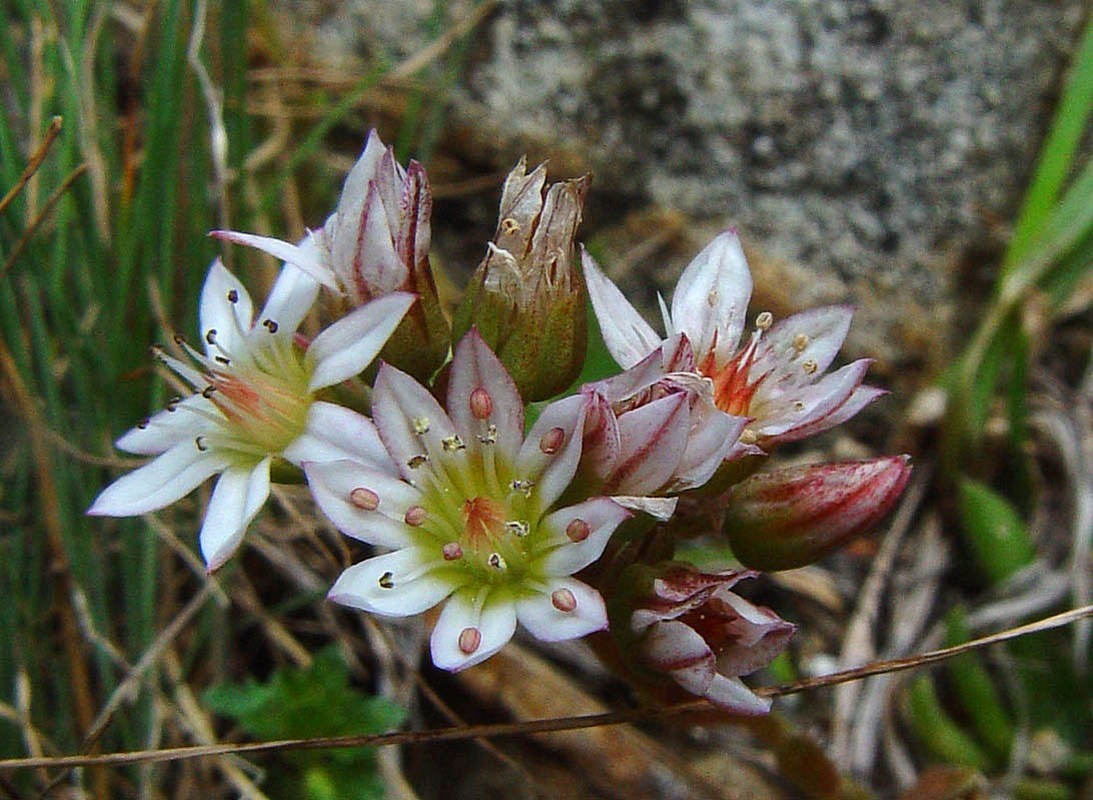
{"x": 312, "y": 701}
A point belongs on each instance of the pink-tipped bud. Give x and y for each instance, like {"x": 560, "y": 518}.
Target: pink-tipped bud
{"x": 527, "y": 297}
{"x": 792, "y": 517}
{"x": 675, "y": 625}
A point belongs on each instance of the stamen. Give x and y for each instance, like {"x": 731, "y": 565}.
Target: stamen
{"x": 552, "y": 440}
{"x": 490, "y": 436}
{"x": 563, "y": 600}
{"x": 481, "y": 403}
{"x": 469, "y": 640}
{"x": 800, "y": 342}
{"x": 509, "y": 226}
{"x": 798, "y": 406}
{"x": 233, "y": 296}
{"x": 764, "y": 320}
{"x": 208, "y": 391}
{"x": 421, "y": 425}
{"x": 387, "y": 581}
{"x": 222, "y": 360}
{"x": 201, "y": 444}
{"x": 518, "y": 527}
{"x": 415, "y": 515}
{"x": 417, "y": 461}
{"x": 522, "y": 486}
{"x": 810, "y": 367}
{"x": 711, "y": 298}
{"x": 497, "y": 562}
{"x": 179, "y": 340}
{"x": 270, "y": 325}
{"x": 452, "y": 444}
{"x": 364, "y": 499}
{"x": 578, "y": 530}
{"x": 144, "y": 423}
{"x": 172, "y": 404}
{"x": 452, "y": 551}
{"x": 210, "y": 336}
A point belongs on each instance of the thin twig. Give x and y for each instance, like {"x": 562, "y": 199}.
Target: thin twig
{"x": 40, "y": 217}
{"x": 36, "y": 159}
{"x": 129, "y": 685}
{"x": 540, "y": 725}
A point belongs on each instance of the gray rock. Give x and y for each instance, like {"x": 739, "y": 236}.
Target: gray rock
{"x": 868, "y": 143}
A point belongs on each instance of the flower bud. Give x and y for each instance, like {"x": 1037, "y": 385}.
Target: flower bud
{"x": 527, "y": 297}
{"x": 376, "y": 242}
{"x": 674, "y": 623}
{"x": 792, "y": 517}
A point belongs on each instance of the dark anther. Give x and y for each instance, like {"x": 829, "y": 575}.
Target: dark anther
{"x": 172, "y": 404}
{"x": 210, "y": 336}
{"x": 270, "y": 325}
{"x": 233, "y": 296}
{"x": 222, "y": 360}
{"x": 207, "y": 392}
{"x": 200, "y": 442}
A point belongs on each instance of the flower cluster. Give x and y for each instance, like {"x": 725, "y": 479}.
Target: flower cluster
{"x": 567, "y": 524}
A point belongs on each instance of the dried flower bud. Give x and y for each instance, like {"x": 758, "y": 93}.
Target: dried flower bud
{"x": 527, "y": 298}
{"x": 792, "y": 517}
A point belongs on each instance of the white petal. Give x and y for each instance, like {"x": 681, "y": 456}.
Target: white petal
{"x": 290, "y": 299}
{"x": 495, "y": 623}
{"x": 167, "y": 428}
{"x": 332, "y": 483}
{"x": 350, "y": 344}
{"x": 166, "y": 479}
{"x": 797, "y": 407}
{"x": 307, "y": 258}
{"x": 552, "y": 472}
{"x": 710, "y": 303}
{"x": 475, "y": 366}
{"x": 628, "y": 337}
{"x": 399, "y": 405}
{"x": 359, "y": 586}
{"x": 602, "y": 516}
{"x": 825, "y": 329}
{"x": 356, "y": 182}
{"x": 231, "y": 321}
{"x": 732, "y": 695}
{"x": 547, "y": 623}
{"x": 859, "y": 399}
{"x": 333, "y": 433}
{"x": 237, "y": 498}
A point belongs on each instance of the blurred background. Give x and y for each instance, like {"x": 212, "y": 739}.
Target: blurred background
{"x": 927, "y": 162}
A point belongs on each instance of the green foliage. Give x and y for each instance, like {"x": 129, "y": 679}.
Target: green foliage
{"x": 994, "y": 531}
{"x": 311, "y": 702}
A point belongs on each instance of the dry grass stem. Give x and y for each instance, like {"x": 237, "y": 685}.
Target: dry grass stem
{"x": 36, "y": 159}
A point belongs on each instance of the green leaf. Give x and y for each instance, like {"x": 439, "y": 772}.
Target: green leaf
{"x": 311, "y": 702}
{"x": 994, "y": 531}
{"x": 936, "y": 731}
{"x": 977, "y": 694}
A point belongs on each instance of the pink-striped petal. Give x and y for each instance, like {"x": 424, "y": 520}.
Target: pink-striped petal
{"x": 653, "y": 439}
{"x": 409, "y": 419}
